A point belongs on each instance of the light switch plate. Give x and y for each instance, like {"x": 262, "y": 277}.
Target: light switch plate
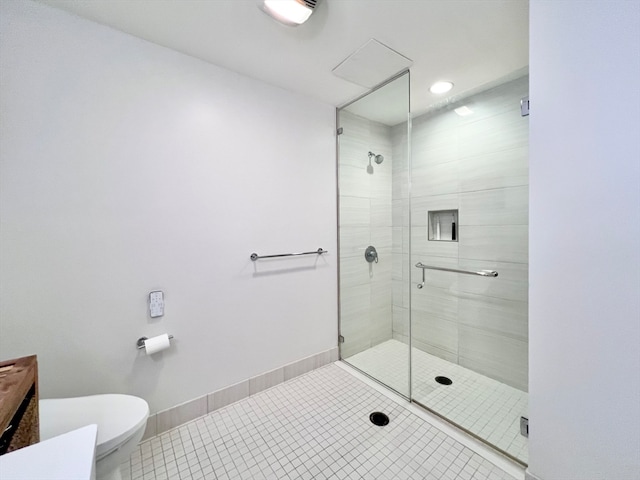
{"x": 156, "y": 304}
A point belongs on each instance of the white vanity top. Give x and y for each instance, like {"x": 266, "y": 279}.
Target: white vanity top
{"x": 70, "y": 456}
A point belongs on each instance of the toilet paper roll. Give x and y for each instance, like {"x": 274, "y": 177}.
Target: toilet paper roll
{"x": 156, "y": 344}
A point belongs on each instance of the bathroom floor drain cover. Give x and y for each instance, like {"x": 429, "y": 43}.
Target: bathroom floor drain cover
{"x": 379, "y": 419}
{"x": 444, "y": 380}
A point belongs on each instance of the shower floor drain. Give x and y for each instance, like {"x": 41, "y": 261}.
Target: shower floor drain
{"x": 444, "y": 380}
{"x": 379, "y": 419}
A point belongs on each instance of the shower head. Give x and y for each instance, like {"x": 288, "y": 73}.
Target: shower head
{"x": 377, "y": 158}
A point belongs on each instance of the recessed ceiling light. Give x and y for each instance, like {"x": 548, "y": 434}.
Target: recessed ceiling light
{"x": 463, "y": 111}
{"x": 289, "y": 12}
{"x": 441, "y": 87}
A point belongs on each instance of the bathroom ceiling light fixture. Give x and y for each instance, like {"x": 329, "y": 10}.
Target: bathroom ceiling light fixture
{"x": 463, "y": 111}
{"x": 289, "y": 12}
{"x": 440, "y": 87}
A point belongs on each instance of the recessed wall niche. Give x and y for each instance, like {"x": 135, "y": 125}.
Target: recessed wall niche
{"x": 443, "y": 226}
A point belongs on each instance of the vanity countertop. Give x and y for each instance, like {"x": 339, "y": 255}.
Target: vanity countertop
{"x": 70, "y": 456}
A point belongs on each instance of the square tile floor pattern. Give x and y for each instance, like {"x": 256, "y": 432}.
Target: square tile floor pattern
{"x": 482, "y": 405}
{"x": 315, "y": 426}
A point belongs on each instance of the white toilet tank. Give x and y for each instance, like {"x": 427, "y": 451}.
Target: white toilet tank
{"x": 118, "y": 417}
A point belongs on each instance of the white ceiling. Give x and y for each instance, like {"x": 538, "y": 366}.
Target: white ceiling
{"x": 469, "y": 42}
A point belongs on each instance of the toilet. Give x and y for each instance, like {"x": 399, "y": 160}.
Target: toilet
{"x": 121, "y": 421}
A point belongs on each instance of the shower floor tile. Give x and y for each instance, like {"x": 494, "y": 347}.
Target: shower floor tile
{"x": 479, "y": 404}
{"x": 315, "y": 426}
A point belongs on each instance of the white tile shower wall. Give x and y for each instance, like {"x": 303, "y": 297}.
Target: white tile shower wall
{"x": 365, "y": 190}
{"x": 128, "y": 167}
{"x": 478, "y": 165}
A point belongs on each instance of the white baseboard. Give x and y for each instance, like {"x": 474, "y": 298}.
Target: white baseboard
{"x": 185, "y": 412}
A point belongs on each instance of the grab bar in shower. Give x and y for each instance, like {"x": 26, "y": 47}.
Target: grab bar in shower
{"x": 482, "y": 273}
{"x": 320, "y": 251}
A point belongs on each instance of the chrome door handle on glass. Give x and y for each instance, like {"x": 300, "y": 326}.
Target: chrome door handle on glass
{"x": 482, "y": 273}
{"x": 370, "y": 254}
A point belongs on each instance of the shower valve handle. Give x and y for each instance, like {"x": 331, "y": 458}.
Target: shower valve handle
{"x": 370, "y": 254}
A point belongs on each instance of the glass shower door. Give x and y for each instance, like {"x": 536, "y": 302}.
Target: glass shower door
{"x": 372, "y": 182}
{"x": 469, "y": 218}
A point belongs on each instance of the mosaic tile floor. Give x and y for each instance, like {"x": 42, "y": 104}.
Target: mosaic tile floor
{"x": 315, "y": 426}
{"x": 479, "y": 404}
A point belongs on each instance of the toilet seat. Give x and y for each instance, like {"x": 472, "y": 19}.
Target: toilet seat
{"x": 116, "y": 415}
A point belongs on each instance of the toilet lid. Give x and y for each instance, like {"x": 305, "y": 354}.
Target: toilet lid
{"x": 117, "y": 416}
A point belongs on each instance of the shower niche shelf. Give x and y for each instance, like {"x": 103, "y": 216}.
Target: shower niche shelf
{"x": 443, "y": 226}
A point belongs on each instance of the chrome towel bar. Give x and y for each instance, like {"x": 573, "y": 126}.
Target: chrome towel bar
{"x": 482, "y": 273}
{"x": 320, "y": 251}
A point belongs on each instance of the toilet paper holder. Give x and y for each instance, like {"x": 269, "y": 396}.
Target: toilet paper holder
{"x": 141, "y": 340}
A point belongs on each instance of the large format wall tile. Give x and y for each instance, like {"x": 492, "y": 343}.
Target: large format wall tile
{"x": 354, "y": 270}
{"x": 380, "y": 212}
{"x": 366, "y": 218}
{"x": 433, "y": 350}
{"x": 497, "y": 100}
{"x": 354, "y": 211}
{"x": 439, "y": 179}
{"x": 400, "y": 212}
{"x": 494, "y": 134}
{"x": 512, "y": 282}
{"x": 398, "y": 239}
{"x": 400, "y": 184}
{"x": 381, "y": 316}
{"x": 434, "y": 331}
{"x": 421, "y": 205}
{"x": 357, "y": 338}
{"x": 508, "y": 168}
{"x": 497, "y": 356}
{"x": 381, "y": 185}
{"x": 400, "y": 269}
{"x": 501, "y": 206}
{"x": 501, "y": 243}
{"x": 500, "y": 316}
{"x": 478, "y": 165}
{"x": 434, "y": 302}
{"x": 354, "y": 181}
{"x": 430, "y": 150}
{"x": 400, "y": 293}
{"x": 382, "y": 239}
{"x": 422, "y": 247}
{"x": 428, "y": 126}
{"x": 401, "y": 320}
{"x": 353, "y": 240}
{"x": 355, "y": 304}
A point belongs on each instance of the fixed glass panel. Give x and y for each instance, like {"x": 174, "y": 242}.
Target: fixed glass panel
{"x": 469, "y": 213}
{"x": 373, "y": 227}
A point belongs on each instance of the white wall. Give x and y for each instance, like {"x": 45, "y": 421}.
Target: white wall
{"x": 127, "y": 167}
{"x": 585, "y": 240}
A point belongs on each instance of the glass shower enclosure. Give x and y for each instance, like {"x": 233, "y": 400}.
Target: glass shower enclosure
{"x": 433, "y": 228}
